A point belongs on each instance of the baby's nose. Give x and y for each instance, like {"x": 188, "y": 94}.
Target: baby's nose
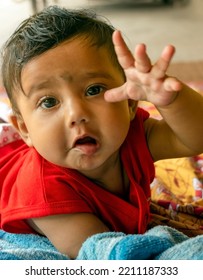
{"x": 78, "y": 112}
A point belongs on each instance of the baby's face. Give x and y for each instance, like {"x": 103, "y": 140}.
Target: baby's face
{"x": 64, "y": 113}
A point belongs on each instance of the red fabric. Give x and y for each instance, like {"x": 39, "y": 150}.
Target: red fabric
{"x": 32, "y": 187}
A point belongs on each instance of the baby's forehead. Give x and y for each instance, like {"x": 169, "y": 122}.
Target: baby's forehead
{"x": 79, "y": 45}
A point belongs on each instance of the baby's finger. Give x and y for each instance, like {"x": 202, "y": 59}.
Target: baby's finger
{"x": 115, "y": 94}
{"x": 172, "y": 84}
{"x": 142, "y": 60}
{"x": 124, "y": 55}
{"x": 160, "y": 67}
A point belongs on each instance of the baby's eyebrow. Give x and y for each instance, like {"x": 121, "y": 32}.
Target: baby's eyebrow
{"x": 47, "y": 84}
{"x": 39, "y": 86}
{"x": 99, "y": 75}
{"x": 86, "y": 75}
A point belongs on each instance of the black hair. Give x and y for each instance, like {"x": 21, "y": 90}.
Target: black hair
{"x": 46, "y": 30}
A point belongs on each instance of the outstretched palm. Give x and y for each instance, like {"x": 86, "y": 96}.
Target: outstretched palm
{"x": 144, "y": 81}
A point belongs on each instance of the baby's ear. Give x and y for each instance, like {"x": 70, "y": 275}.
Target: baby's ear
{"x": 132, "y": 108}
{"x": 18, "y": 122}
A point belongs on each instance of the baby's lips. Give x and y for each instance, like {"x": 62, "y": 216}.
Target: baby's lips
{"x": 87, "y": 145}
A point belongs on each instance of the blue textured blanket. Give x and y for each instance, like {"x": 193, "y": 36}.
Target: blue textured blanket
{"x": 159, "y": 243}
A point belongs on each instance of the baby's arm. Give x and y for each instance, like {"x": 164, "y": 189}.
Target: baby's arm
{"x": 67, "y": 232}
{"x": 180, "y": 133}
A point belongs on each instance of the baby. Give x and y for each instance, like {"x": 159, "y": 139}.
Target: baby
{"x": 86, "y": 158}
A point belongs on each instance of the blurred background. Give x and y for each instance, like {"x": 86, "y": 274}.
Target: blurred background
{"x": 153, "y": 22}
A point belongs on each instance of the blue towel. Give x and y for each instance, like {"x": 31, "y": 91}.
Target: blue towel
{"x": 27, "y": 247}
{"x": 118, "y": 246}
{"x": 159, "y": 243}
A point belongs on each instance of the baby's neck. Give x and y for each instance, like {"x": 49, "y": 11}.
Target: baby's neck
{"x": 113, "y": 178}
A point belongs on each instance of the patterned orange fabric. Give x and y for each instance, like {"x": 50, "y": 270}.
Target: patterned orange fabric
{"x": 177, "y": 190}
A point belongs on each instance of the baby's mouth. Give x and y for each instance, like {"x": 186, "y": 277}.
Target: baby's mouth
{"x": 86, "y": 140}
{"x": 87, "y": 145}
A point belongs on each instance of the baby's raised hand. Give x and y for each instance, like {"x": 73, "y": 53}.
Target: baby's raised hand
{"x": 144, "y": 81}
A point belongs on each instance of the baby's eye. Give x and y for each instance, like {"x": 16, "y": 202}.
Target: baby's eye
{"x": 48, "y": 102}
{"x": 94, "y": 90}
